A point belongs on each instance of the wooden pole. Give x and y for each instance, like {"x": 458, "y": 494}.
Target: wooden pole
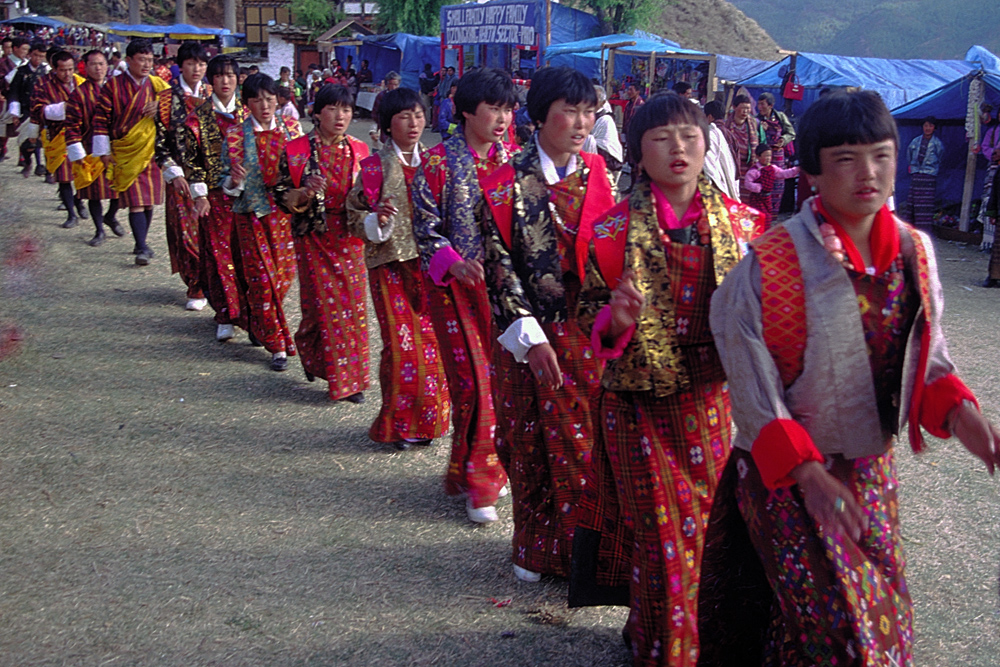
{"x": 548, "y": 28}
{"x": 229, "y": 15}
{"x": 970, "y": 179}
{"x": 651, "y": 73}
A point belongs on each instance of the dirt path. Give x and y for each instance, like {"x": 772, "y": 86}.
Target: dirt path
{"x": 168, "y": 500}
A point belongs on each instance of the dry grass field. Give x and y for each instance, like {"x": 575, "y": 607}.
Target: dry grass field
{"x": 169, "y": 500}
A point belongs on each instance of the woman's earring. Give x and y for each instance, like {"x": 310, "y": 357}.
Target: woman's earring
{"x": 813, "y": 188}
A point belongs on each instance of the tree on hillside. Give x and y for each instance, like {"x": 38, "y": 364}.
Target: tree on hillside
{"x": 617, "y": 16}
{"x": 416, "y": 17}
{"x": 316, "y": 14}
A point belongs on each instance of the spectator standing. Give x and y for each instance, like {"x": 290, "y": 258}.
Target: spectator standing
{"x": 924, "y": 158}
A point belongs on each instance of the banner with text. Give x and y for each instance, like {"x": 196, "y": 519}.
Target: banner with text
{"x": 506, "y": 23}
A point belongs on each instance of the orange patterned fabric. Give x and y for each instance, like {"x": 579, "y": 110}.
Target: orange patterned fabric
{"x": 783, "y": 302}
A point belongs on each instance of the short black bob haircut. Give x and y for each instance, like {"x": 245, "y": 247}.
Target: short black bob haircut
{"x": 766, "y": 97}
{"x": 19, "y": 41}
{"x": 332, "y": 94}
{"x": 715, "y": 109}
{"x": 222, "y": 64}
{"x": 761, "y": 149}
{"x": 741, "y": 99}
{"x": 256, "y": 84}
{"x": 191, "y": 51}
{"x": 39, "y": 46}
{"x": 396, "y": 101}
{"x": 661, "y": 109}
{"x": 489, "y": 85}
{"x": 61, "y": 57}
{"x": 90, "y": 54}
{"x": 139, "y": 46}
{"x": 551, "y": 84}
{"x": 839, "y": 119}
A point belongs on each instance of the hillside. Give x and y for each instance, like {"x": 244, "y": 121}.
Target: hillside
{"x": 879, "y": 28}
{"x": 716, "y": 26}
{"x": 709, "y": 25}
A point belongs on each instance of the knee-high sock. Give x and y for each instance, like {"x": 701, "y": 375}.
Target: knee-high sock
{"x": 95, "y": 214}
{"x": 137, "y": 221}
{"x": 112, "y": 210}
{"x": 66, "y": 197}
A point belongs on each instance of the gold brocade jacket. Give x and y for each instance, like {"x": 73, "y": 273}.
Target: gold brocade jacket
{"x": 381, "y": 177}
{"x": 653, "y": 359}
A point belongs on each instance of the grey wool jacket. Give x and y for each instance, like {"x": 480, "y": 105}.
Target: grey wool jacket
{"x": 834, "y": 397}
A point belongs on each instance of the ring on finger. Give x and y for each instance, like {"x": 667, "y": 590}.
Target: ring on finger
{"x": 839, "y": 504}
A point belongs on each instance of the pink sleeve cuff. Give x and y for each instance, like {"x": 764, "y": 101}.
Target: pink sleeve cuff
{"x": 440, "y": 265}
{"x": 939, "y": 399}
{"x": 781, "y": 446}
{"x": 602, "y": 324}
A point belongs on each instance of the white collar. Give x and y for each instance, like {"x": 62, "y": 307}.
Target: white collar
{"x": 549, "y": 167}
{"x": 137, "y": 81}
{"x": 187, "y": 89}
{"x": 224, "y": 108}
{"x": 257, "y": 127}
{"x": 17, "y": 61}
{"x": 414, "y": 160}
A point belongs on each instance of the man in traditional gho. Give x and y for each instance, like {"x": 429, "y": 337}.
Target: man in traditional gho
{"x": 744, "y": 134}
{"x": 830, "y": 334}
{"x": 186, "y": 93}
{"x": 415, "y": 400}
{"x": 203, "y": 142}
{"x": 48, "y": 111}
{"x": 251, "y": 155}
{"x": 542, "y": 206}
{"x": 22, "y": 86}
{"x": 89, "y": 172}
{"x": 8, "y": 68}
{"x": 125, "y": 134}
{"x": 662, "y": 413}
{"x": 315, "y": 174}
{"x": 447, "y": 196}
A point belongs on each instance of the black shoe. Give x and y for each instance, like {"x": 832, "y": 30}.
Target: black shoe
{"x": 81, "y": 211}
{"x": 96, "y": 241}
{"x": 357, "y": 398}
{"x": 253, "y": 340}
{"x": 61, "y": 207}
{"x": 142, "y": 259}
{"x": 279, "y": 364}
{"x": 116, "y": 227}
{"x": 40, "y": 170}
{"x": 401, "y": 445}
{"x": 991, "y": 282}
{"x": 423, "y": 442}
{"x": 310, "y": 377}
{"x": 71, "y": 222}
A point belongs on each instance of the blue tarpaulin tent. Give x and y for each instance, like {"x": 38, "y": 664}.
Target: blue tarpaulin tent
{"x": 897, "y": 81}
{"x": 399, "y": 52}
{"x": 35, "y": 21}
{"x": 948, "y": 105}
{"x": 585, "y": 56}
{"x": 173, "y": 31}
{"x": 734, "y": 68}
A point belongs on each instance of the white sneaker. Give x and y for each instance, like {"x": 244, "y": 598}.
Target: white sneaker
{"x": 526, "y": 575}
{"x": 196, "y": 304}
{"x": 224, "y": 332}
{"x": 480, "y": 514}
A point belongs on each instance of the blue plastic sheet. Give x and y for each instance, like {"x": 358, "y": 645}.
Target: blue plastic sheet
{"x": 897, "y": 81}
